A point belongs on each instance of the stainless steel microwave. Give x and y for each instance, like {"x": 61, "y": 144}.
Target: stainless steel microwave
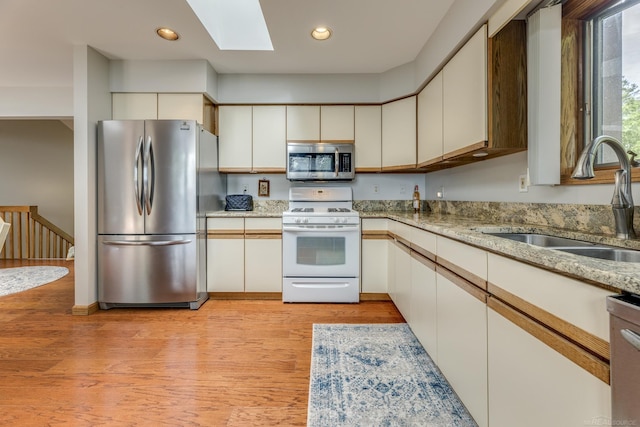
{"x": 320, "y": 161}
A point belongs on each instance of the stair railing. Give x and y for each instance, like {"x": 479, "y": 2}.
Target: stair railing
{"x": 32, "y": 236}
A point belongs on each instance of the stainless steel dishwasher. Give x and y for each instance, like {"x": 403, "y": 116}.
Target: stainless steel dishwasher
{"x": 625, "y": 358}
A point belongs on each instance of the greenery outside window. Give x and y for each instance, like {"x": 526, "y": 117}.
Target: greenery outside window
{"x": 613, "y": 56}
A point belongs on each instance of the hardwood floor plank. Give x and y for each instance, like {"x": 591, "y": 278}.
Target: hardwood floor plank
{"x": 230, "y": 363}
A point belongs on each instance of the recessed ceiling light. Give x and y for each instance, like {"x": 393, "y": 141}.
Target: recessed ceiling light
{"x": 167, "y": 34}
{"x": 481, "y": 154}
{"x": 321, "y": 33}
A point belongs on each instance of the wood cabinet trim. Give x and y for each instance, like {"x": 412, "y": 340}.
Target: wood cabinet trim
{"x": 579, "y": 356}
{"x": 423, "y": 260}
{"x": 220, "y": 234}
{"x": 465, "y": 274}
{"x": 594, "y": 344}
{"x": 423, "y": 252}
{"x": 465, "y": 150}
{"x": 463, "y": 284}
{"x": 368, "y": 170}
{"x": 399, "y": 168}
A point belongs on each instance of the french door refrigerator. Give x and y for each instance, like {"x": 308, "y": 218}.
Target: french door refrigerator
{"x": 156, "y": 180}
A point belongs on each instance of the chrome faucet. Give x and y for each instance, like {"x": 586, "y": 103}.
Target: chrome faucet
{"x": 622, "y": 202}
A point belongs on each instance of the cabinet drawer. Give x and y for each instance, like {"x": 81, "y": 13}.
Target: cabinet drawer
{"x": 424, "y": 243}
{"x": 217, "y": 225}
{"x": 374, "y": 224}
{"x": 464, "y": 260}
{"x": 265, "y": 225}
{"x": 570, "y": 300}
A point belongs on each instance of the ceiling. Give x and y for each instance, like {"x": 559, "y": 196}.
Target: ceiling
{"x": 370, "y": 36}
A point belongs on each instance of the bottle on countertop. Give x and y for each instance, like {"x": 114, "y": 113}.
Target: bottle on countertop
{"x": 416, "y": 200}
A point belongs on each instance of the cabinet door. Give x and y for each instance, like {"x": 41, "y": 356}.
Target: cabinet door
{"x": 181, "y": 106}
{"x": 303, "y": 122}
{"x": 462, "y": 344}
{"x": 234, "y": 144}
{"x": 399, "y": 134}
{"x": 336, "y": 123}
{"x": 430, "y": 147}
{"x": 368, "y": 138}
{"x": 375, "y": 255}
{"x": 424, "y": 304}
{"x": 134, "y": 106}
{"x": 263, "y": 255}
{"x": 531, "y": 384}
{"x": 225, "y": 254}
{"x": 402, "y": 294}
{"x": 269, "y": 138}
{"x": 465, "y": 97}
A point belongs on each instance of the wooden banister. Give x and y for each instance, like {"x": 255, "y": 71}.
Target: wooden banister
{"x": 32, "y": 236}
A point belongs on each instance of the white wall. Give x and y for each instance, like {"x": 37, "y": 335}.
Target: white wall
{"x": 390, "y": 186}
{"x": 92, "y": 102}
{"x": 36, "y": 168}
{"x": 496, "y": 180}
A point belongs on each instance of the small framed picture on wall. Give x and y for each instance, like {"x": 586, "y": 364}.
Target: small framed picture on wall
{"x": 263, "y": 188}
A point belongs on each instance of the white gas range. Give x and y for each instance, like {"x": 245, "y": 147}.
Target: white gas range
{"x": 321, "y": 246}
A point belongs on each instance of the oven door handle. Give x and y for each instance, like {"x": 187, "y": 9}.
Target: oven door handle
{"x": 320, "y": 285}
{"x": 337, "y": 161}
{"x": 346, "y": 228}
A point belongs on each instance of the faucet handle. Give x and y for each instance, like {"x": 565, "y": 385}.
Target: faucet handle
{"x": 634, "y": 163}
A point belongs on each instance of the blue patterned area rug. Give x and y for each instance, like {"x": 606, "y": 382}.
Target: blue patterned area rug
{"x": 378, "y": 375}
{"x": 20, "y": 279}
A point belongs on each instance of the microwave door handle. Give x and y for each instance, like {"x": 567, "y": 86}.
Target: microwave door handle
{"x": 337, "y": 161}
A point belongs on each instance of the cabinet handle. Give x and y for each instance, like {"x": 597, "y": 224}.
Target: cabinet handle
{"x": 631, "y": 337}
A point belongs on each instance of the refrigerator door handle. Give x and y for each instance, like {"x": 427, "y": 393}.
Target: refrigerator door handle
{"x": 136, "y": 179}
{"x": 148, "y": 176}
{"x": 146, "y": 242}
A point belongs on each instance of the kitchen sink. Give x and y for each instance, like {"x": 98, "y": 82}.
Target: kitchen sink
{"x": 576, "y": 247}
{"x": 605, "y": 252}
{"x": 542, "y": 240}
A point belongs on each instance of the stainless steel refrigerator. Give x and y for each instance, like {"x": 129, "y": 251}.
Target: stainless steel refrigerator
{"x": 156, "y": 181}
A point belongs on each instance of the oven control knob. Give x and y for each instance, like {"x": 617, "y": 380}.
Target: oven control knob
{"x": 344, "y": 220}
{"x": 298, "y": 220}
{"x": 305, "y": 220}
{"x": 336, "y": 220}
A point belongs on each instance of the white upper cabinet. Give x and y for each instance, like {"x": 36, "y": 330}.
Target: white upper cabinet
{"x": 465, "y": 97}
{"x": 303, "y": 122}
{"x": 337, "y": 123}
{"x": 235, "y": 133}
{"x": 134, "y": 106}
{"x": 368, "y": 138}
{"x": 181, "y": 106}
{"x": 269, "y": 138}
{"x": 430, "y": 143}
{"x": 252, "y": 139}
{"x": 399, "y": 134}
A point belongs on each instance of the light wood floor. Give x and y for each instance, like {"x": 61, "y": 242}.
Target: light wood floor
{"x": 231, "y": 363}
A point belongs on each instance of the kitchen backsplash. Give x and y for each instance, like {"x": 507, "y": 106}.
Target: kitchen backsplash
{"x": 596, "y": 219}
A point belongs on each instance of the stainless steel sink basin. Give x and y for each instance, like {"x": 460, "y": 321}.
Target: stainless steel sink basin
{"x": 542, "y": 240}
{"x": 605, "y": 252}
{"x": 576, "y": 247}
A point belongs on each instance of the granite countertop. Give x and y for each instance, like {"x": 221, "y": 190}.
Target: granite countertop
{"x": 244, "y": 214}
{"x": 624, "y": 276}
{"x": 618, "y": 276}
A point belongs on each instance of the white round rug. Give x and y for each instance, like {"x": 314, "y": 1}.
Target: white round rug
{"x": 20, "y": 279}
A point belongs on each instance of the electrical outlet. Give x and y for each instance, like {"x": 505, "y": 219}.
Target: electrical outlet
{"x": 376, "y": 188}
{"x": 440, "y": 193}
{"x": 523, "y": 184}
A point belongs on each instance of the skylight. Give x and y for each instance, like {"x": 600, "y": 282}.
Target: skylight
{"x": 234, "y": 24}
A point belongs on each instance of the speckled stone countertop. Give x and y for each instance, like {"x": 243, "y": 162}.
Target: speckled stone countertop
{"x": 609, "y": 274}
{"x": 618, "y": 275}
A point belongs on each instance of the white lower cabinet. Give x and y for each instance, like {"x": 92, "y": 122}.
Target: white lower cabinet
{"x": 263, "y": 255}
{"x": 225, "y": 255}
{"x": 424, "y": 304}
{"x": 374, "y": 256}
{"x": 531, "y": 384}
{"x": 402, "y": 294}
{"x": 244, "y": 255}
{"x": 462, "y": 345}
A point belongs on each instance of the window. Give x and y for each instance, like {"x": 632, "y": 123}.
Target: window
{"x": 613, "y": 39}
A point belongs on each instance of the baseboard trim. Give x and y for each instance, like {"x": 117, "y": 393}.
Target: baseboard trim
{"x": 85, "y": 310}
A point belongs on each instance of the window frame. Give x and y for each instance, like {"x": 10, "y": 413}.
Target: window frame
{"x": 574, "y": 127}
